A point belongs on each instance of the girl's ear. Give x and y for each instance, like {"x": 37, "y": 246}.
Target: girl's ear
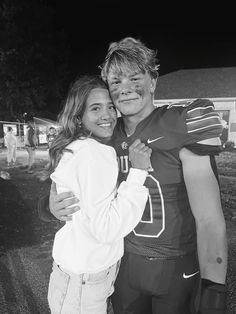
{"x": 79, "y": 121}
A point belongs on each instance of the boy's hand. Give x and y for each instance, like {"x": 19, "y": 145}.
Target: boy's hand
{"x": 58, "y": 204}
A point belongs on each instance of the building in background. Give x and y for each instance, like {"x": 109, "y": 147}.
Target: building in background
{"x": 42, "y": 126}
{"x": 216, "y": 84}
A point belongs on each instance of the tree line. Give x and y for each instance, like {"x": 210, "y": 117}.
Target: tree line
{"x": 34, "y": 60}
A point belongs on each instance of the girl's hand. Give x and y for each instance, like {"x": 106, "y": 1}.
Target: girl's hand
{"x": 139, "y": 155}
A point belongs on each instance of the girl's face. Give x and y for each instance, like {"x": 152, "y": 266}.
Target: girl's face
{"x": 100, "y": 114}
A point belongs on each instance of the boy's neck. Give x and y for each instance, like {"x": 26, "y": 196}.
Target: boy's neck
{"x": 131, "y": 122}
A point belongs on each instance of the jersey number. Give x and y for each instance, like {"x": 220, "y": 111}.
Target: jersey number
{"x": 152, "y": 223}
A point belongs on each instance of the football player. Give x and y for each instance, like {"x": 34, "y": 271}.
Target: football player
{"x": 180, "y": 241}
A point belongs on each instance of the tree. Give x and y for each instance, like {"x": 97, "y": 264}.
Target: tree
{"x": 33, "y": 58}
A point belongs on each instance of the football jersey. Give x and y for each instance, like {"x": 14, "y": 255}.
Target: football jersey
{"x": 167, "y": 228}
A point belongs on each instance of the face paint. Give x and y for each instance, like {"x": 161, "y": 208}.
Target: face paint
{"x": 131, "y": 92}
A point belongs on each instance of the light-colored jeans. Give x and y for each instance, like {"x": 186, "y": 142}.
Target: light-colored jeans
{"x": 80, "y": 294}
{"x": 11, "y": 153}
{"x": 31, "y": 151}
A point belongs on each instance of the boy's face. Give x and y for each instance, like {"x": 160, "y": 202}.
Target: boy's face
{"x": 52, "y": 131}
{"x": 131, "y": 91}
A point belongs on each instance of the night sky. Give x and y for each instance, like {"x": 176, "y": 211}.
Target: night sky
{"x": 197, "y": 38}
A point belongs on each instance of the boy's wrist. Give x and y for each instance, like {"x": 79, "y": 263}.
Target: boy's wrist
{"x": 213, "y": 297}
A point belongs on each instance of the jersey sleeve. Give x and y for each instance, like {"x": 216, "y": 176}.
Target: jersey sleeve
{"x": 91, "y": 175}
{"x": 202, "y": 121}
{"x": 202, "y": 126}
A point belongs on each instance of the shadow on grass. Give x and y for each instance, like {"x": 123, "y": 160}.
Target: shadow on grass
{"x": 15, "y": 217}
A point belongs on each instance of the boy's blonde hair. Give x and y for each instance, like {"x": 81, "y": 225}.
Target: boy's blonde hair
{"x": 130, "y": 53}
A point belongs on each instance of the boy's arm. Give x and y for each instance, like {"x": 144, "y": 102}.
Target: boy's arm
{"x": 204, "y": 196}
{"x": 55, "y": 205}
{"x": 43, "y": 209}
{"x": 59, "y": 203}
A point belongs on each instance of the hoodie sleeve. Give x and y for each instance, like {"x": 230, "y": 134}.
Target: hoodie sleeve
{"x": 91, "y": 174}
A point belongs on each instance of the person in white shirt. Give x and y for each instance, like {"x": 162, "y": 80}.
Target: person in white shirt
{"x": 11, "y": 144}
{"x": 88, "y": 248}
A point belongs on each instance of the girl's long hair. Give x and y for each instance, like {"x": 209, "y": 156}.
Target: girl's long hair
{"x": 70, "y": 117}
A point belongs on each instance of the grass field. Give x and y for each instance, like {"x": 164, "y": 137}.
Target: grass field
{"x": 226, "y": 164}
{"x": 26, "y": 242}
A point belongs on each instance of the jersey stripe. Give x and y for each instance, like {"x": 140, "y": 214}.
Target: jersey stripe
{"x": 214, "y": 141}
{"x": 203, "y": 118}
{"x": 179, "y": 104}
{"x": 200, "y": 111}
{"x": 213, "y": 126}
{"x": 212, "y": 118}
{"x": 203, "y": 124}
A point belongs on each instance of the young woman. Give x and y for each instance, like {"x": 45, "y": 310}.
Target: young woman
{"x": 87, "y": 249}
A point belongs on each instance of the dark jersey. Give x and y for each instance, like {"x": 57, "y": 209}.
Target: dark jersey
{"x": 167, "y": 228}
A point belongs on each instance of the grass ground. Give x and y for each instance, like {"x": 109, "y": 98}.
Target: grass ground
{"x": 26, "y": 242}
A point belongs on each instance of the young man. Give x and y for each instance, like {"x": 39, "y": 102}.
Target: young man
{"x": 30, "y": 145}
{"x": 182, "y": 235}
{"x": 51, "y": 136}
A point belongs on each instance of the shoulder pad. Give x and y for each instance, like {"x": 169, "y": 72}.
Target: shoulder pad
{"x": 200, "y": 118}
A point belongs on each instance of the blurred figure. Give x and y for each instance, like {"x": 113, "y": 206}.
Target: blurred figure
{"x": 224, "y": 135}
{"x": 51, "y": 136}
{"x": 30, "y": 144}
{"x": 11, "y": 143}
{"x": 5, "y": 175}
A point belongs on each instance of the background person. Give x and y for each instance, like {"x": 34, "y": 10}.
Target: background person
{"x": 160, "y": 270}
{"x": 51, "y": 135}
{"x": 11, "y": 144}
{"x": 87, "y": 250}
{"x": 225, "y": 131}
{"x": 30, "y": 144}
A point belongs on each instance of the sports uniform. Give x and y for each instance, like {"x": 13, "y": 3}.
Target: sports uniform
{"x": 160, "y": 253}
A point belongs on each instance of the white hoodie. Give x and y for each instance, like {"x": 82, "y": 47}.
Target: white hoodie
{"x": 93, "y": 240}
